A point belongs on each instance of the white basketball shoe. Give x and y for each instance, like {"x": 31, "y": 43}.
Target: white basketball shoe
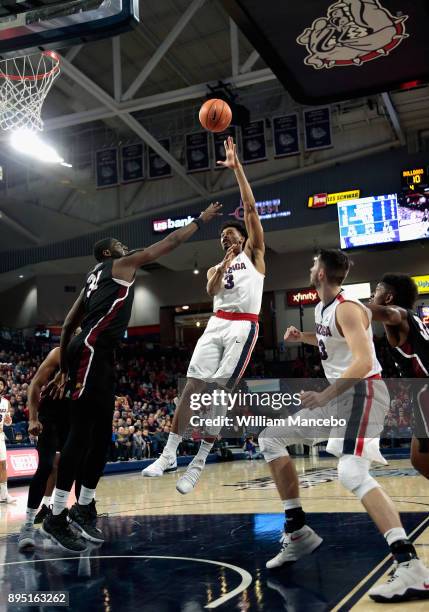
{"x": 295, "y": 545}
{"x": 409, "y": 581}
{"x": 164, "y": 464}
{"x": 190, "y": 478}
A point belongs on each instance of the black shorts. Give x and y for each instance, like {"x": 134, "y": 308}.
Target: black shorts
{"x": 91, "y": 369}
{"x": 55, "y": 418}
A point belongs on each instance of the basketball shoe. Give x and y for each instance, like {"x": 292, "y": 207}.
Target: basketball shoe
{"x": 295, "y": 545}
{"x": 409, "y": 581}
{"x": 57, "y": 529}
{"x": 8, "y": 499}
{"x": 26, "y": 539}
{"x": 188, "y": 481}
{"x": 164, "y": 463}
{"x": 41, "y": 515}
{"x": 84, "y": 519}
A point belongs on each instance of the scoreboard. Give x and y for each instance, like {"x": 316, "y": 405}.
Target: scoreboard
{"x": 372, "y": 220}
{"x": 415, "y": 179}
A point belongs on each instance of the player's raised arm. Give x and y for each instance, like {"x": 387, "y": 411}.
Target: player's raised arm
{"x": 255, "y": 244}
{"x": 125, "y": 267}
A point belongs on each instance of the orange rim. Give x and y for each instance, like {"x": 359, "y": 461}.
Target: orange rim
{"x": 37, "y": 77}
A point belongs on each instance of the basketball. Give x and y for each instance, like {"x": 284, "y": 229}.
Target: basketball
{"x": 215, "y": 115}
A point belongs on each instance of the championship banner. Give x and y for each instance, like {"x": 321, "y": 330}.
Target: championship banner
{"x": 132, "y": 163}
{"x": 197, "y": 152}
{"x": 286, "y": 135}
{"x": 321, "y": 200}
{"x": 219, "y": 148}
{"x": 254, "y": 145}
{"x": 106, "y": 167}
{"x": 158, "y": 167}
{"x": 317, "y": 129}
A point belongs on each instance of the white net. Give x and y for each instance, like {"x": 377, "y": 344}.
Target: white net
{"x": 24, "y": 84}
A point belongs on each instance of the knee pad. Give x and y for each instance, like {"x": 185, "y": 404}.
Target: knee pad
{"x": 353, "y": 473}
{"x": 273, "y": 448}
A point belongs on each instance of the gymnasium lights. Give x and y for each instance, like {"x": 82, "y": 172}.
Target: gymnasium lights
{"x": 29, "y": 143}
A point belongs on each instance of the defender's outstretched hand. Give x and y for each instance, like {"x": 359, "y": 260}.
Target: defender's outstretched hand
{"x": 211, "y": 212}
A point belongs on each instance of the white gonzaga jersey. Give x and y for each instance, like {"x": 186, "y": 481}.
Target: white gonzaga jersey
{"x": 242, "y": 287}
{"x": 4, "y": 410}
{"x": 334, "y": 351}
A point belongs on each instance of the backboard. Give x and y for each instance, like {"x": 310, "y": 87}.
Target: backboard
{"x": 30, "y": 24}
{"x": 328, "y": 50}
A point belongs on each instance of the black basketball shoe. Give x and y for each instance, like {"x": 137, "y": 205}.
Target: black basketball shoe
{"x": 57, "y": 529}
{"x": 84, "y": 519}
{"x": 41, "y": 515}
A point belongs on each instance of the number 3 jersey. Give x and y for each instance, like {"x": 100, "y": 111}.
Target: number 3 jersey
{"x": 108, "y": 303}
{"x": 242, "y": 287}
{"x": 334, "y": 351}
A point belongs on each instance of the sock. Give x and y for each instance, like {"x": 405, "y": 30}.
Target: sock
{"x": 3, "y": 489}
{"x": 172, "y": 443}
{"x": 86, "y": 496}
{"x": 295, "y": 519}
{"x": 60, "y": 501}
{"x": 46, "y": 500}
{"x": 400, "y": 546}
{"x": 289, "y": 504}
{"x": 30, "y": 515}
{"x": 204, "y": 450}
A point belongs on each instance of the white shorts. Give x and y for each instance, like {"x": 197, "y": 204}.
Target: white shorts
{"x": 2, "y": 446}
{"x": 223, "y": 351}
{"x": 364, "y": 407}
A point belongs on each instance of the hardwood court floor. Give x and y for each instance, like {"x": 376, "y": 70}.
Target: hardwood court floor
{"x": 233, "y": 517}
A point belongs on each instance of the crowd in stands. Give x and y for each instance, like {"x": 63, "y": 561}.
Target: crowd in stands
{"x": 147, "y": 392}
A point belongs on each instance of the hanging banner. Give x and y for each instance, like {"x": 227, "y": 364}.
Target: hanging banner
{"x": 286, "y": 135}
{"x": 158, "y": 167}
{"x": 197, "y": 152}
{"x": 219, "y": 147}
{"x": 132, "y": 163}
{"x": 254, "y": 145}
{"x": 106, "y": 167}
{"x": 317, "y": 129}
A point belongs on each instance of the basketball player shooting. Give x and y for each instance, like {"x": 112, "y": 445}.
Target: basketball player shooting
{"x": 224, "y": 350}
{"x": 358, "y": 395}
{"x": 393, "y": 305}
{"x": 103, "y": 311}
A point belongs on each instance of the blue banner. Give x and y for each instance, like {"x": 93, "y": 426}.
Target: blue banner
{"x": 317, "y": 128}
{"x": 158, "y": 167}
{"x": 132, "y": 163}
{"x": 197, "y": 152}
{"x": 106, "y": 167}
{"x": 286, "y": 135}
{"x": 254, "y": 145}
{"x": 219, "y": 147}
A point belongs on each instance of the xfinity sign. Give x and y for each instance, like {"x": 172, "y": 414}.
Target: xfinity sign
{"x": 160, "y": 226}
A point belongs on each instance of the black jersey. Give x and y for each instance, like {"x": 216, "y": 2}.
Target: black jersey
{"x": 108, "y": 303}
{"x": 412, "y": 357}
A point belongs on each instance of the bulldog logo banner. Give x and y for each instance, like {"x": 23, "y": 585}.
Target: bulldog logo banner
{"x": 325, "y": 51}
{"x": 352, "y": 33}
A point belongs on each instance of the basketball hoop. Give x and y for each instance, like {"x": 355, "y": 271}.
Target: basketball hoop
{"x": 24, "y": 84}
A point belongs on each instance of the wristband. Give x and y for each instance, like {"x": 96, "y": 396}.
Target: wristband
{"x": 199, "y": 222}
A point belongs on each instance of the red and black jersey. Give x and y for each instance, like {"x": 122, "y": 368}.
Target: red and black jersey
{"x": 412, "y": 357}
{"x": 108, "y": 303}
